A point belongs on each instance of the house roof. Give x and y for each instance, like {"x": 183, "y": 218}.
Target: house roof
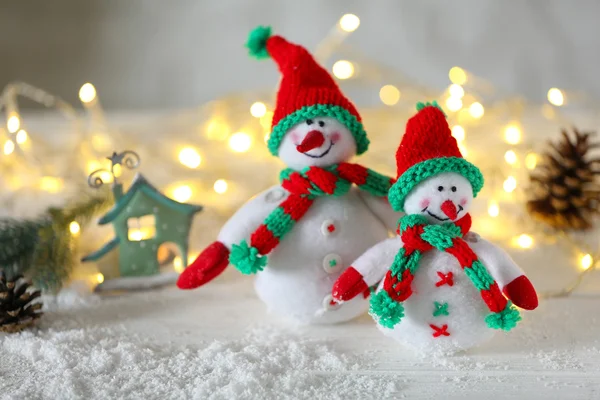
{"x": 141, "y": 184}
{"x": 98, "y": 254}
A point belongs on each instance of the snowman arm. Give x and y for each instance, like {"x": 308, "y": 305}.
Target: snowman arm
{"x": 380, "y": 207}
{"x": 374, "y": 263}
{"x": 214, "y": 259}
{"x": 510, "y": 277}
{"x": 250, "y": 216}
{"x": 367, "y": 270}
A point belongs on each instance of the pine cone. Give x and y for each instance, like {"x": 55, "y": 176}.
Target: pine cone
{"x": 17, "y": 309}
{"x": 565, "y": 188}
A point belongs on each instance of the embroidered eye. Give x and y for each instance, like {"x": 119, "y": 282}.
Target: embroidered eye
{"x": 321, "y": 124}
{"x": 309, "y": 122}
{"x": 440, "y": 188}
{"x": 454, "y": 188}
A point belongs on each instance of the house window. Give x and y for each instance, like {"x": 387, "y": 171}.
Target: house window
{"x": 141, "y": 228}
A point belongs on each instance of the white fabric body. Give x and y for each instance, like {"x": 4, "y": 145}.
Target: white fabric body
{"x": 466, "y": 309}
{"x": 295, "y": 283}
{"x": 302, "y": 269}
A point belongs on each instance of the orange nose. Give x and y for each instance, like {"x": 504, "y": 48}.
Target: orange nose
{"x": 311, "y": 141}
{"x": 449, "y": 209}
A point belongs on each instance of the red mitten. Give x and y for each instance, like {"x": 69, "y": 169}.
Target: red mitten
{"x": 522, "y": 293}
{"x": 349, "y": 285}
{"x": 209, "y": 264}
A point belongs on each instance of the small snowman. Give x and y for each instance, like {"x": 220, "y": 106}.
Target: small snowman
{"x": 325, "y": 213}
{"x": 443, "y": 288}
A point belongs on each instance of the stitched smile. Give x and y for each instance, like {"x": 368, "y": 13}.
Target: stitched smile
{"x": 322, "y": 154}
{"x": 460, "y": 208}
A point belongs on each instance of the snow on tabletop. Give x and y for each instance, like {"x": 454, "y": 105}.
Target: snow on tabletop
{"x": 219, "y": 343}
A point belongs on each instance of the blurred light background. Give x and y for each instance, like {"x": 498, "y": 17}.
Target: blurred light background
{"x": 151, "y": 54}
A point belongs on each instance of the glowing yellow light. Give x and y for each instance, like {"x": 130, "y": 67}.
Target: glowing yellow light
{"x": 99, "y": 278}
{"x": 454, "y": 103}
{"x": 21, "y": 136}
{"x": 267, "y": 136}
{"x": 92, "y": 166}
{"x": 493, "y": 209}
{"x": 476, "y": 110}
{"x": 182, "y": 193}
{"x": 87, "y": 93}
{"x": 13, "y": 123}
{"x": 524, "y": 241}
{"x": 389, "y": 95}
{"x": 531, "y": 160}
{"x": 74, "y": 228}
{"x": 101, "y": 142}
{"x": 349, "y": 22}
{"x": 106, "y": 176}
{"x": 510, "y": 184}
{"x": 343, "y": 69}
{"x": 512, "y": 134}
{"x": 456, "y": 91}
{"x": 220, "y": 186}
{"x": 135, "y": 235}
{"x": 178, "y": 264}
{"x": 217, "y": 130}
{"x": 458, "y": 132}
{"x": 457, "y": 75}
{"x": 9, "y": 147}
{"x": 463, "y": 149}
{"x": 190, "y": 157}
{"x": 556, "y": 97}
{"x": 51, "y": 184}
{"x": 265, "y": 120}
{"x": 258, "y": 109}
{"x": 510, "y": 157}
{"x": 463, "y": 116}
{"x": 240, "y": 142}
{"x": 117, "y": 170}
{"x": 586, "y": 261}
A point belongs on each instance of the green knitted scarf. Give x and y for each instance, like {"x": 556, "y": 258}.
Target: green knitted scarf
{"x": 419, "y": 236}
{"x": 304, "y": 187}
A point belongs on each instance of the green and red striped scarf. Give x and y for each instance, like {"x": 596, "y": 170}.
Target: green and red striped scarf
{"x": 419, "y": 236}
{"x": 304, "y": 187}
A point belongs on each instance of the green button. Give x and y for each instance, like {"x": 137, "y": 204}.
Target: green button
{"x": 440, "y": 309}
{"x": 332, "y": 263}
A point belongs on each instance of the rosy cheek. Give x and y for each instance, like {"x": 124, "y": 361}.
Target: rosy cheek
{"x": 463, "y": 202}
{"x": 295, "y": 137}
{"x": 424, "y": 203}
{"x": 335, "y": 137}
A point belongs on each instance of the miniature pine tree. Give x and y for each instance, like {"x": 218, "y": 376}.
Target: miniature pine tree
{"x": 44, "y": 248}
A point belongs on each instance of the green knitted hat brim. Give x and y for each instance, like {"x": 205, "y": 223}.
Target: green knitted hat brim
{"x": 319, "y": 110}
{"x": 428, "y": 168}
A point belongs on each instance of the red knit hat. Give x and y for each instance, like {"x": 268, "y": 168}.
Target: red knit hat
{"x": 427, "y": 149}
{"x": 306, "y": 90}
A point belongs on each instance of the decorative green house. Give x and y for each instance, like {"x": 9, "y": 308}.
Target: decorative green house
{"x": 143, "y": 220}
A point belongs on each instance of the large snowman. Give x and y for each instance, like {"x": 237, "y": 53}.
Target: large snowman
{"x": 443, "y": 288}
{"x": 323, "y": 215}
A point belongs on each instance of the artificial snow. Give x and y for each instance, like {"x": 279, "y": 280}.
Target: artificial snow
{"x": 86, "y": 363}
{"x": 220, "y": 343}
{"x": 68, "y": 358}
